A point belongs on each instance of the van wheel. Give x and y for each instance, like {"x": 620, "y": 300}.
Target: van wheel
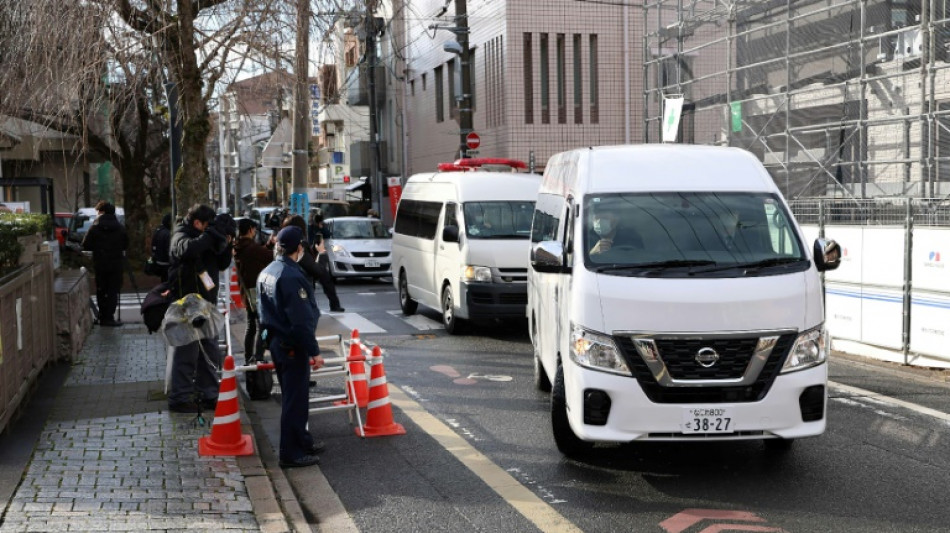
{"x": 541, "y": 381}
{"x": 567, "y": 442}
{"x": 449, "y": 320}
{"x": 406, "y": 303}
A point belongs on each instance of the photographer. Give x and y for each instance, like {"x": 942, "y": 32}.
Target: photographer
{"x": 200, "y": 250}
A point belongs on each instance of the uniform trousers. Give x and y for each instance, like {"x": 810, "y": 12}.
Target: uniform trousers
{"x": 293, "y": 374}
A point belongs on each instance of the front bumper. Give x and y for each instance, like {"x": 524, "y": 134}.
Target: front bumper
{"x": 486, "y": 300}
{"x": 355, "y": 267}
{"x": 633, "y": 416}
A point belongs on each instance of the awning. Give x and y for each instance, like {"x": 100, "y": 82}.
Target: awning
{"x": 357, "y": 186}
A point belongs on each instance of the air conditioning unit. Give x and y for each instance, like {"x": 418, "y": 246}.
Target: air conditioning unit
{"x": 908, "y": 44}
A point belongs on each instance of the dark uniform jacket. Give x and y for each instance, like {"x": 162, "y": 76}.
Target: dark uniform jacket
{"x": 251, "y": 258}
{"x": 287, "y": 307}
{"x": 107, "y": 240}
{"x": 161, "y": 241}
{"x": 193, "y": 252}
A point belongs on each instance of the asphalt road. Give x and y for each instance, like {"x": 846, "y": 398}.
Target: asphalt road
{"x": 478, "y": 453}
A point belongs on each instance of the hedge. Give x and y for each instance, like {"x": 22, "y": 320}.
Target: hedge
{"x": 13, "y": 225}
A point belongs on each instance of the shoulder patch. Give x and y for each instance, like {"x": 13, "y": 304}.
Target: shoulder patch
{"x": 303, "y": 293}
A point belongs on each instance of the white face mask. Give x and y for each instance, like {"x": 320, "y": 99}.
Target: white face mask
{"x": 602, "y": 226}
{"x": 300, "y": 253}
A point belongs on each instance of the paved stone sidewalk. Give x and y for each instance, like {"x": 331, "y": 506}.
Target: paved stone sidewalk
{"x": 112, "y": 458}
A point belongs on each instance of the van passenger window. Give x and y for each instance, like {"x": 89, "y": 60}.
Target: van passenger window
{"x": 451, "y": 216}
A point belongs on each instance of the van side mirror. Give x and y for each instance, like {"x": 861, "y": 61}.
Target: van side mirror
{"x": 548, "y": 256}
{"x": 827, "y": 254}
{"x": 450, "y": 234}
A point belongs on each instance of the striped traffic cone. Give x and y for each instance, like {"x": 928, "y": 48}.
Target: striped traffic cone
{"x": 226, "y": 437}
{"x": 236, "y": 300}
{"x": 379, "y": 413}
{"x": 356, "y": 381}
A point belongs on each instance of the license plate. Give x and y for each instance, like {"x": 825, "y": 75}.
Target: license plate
{"x": 372, "y": 263}
{"x": 707, "y": 420}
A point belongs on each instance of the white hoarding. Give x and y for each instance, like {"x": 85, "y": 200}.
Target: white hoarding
{"x": 930, "y": 324}
{"x": 930, "y": 258}
{"x": 882, "y": 317}
{"x": 843, "y": 311}
{"x": 882, "y": 260}
{"x": 851, "y": 239}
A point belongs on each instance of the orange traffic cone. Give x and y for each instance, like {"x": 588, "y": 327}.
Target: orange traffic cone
{"x": 236, "y": 300}
{"x": 379, "y": 415}
{"x": 226, "y": 437}
{"x": 356, "y": 381}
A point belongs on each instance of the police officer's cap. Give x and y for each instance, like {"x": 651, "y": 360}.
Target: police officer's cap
{"x": 289, "y": 238}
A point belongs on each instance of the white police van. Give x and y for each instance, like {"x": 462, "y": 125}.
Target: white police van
{"x": 460, "y": 241}
{"x": 672, "y": 297}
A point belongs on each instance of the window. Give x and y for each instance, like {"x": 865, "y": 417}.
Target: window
{"x": 498, "y": 220}
{"x": 528, "y": 81}
{"x": 439, "y": 106}
{"x": 561, "y": 81}
{"x": 412, "y": 87}
{"x": 417, "y": 219}
{"x": 450, "y": 217}
{"x": 594, "y": 88}
{"x": 546, "y": 218}
{"x": 545, "y": 87}
{"x": 453, "y": 75}
{"x": 423, "y": 82}
{"x": 578, "y": 82}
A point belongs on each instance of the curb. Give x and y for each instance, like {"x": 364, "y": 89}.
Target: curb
{"x": 272, "y": 498}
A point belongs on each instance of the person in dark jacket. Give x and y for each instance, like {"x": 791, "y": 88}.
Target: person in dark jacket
{"x": 311, "y": 266}
{"x": 161, "y": 243}
{"x": 250, "y": 257}
{"x": 107, "y": 240}
{"x": 200, "y": 250}
{"x": 289, "y": 316}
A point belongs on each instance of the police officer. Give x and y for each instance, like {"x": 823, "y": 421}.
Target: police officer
{"x": 288, "y": 315}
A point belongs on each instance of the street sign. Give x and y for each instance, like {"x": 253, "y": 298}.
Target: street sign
{"x": 472, "y": 141}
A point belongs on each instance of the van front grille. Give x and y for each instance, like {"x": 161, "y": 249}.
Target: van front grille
{"x": 679, "y": 354}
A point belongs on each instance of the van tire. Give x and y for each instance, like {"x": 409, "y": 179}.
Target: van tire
{"x": 449, "y": 320}
{"x": 564, "y": 437}
{"x": 406, "y": 303}
{"x": 541, "y": 381}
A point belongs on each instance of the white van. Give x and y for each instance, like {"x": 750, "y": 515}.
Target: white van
{"x": 671, "y": 297}
{"x": 460, "y": 242}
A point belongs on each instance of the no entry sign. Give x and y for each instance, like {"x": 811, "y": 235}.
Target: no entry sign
{"x": 473, "y": 141}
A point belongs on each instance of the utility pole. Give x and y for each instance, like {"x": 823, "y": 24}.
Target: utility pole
{"x": 466, "y": 125}
{"x": 369, "y": 26}
{"x": 301, "y": 155}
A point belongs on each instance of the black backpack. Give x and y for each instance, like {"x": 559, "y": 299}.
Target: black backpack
{"x": 154, "y": 306}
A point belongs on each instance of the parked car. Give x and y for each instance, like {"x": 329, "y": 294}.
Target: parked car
{"x": 359, "y": 247}
{"x": 82, "y": 220}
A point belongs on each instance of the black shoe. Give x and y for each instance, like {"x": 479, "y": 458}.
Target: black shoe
{"x": 318, "y": 447}
{"x": 306, "y": 460}
{"x": 337, "y": 310}
{"x": 183, "y": 408}
{"x": 111, "y": 323}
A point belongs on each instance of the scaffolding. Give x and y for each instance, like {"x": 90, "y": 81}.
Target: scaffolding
{"x": 841, "y": 99}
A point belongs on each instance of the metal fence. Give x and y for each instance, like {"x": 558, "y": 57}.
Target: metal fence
{"x": 26, "y": 331}
{"x": 872, "y": 212}
{"x": 844, "y": 98}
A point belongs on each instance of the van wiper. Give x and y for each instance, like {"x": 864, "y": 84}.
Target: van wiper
{"x": 507, "y": 236}
{"x": 764, "y": 263}
{"x": 672, "y": 263}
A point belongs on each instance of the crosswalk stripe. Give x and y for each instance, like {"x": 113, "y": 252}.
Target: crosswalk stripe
{"x": 420, "y": 322}
{"x": 356, "y": 321}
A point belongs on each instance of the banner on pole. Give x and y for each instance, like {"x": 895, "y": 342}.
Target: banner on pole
{"x": 672, "y": 110}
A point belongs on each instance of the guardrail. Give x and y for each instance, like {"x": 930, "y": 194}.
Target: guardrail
{"x": 26, "y": 331}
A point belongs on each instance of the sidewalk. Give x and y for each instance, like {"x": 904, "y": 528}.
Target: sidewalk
{"x": 111, "y": 457}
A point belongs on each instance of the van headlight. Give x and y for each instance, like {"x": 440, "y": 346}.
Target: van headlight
{"x": 339, "y": 251}
{"x": 596, "y": 351}
{"x": 475, "y": 273}
{"x": 810, "y": 349}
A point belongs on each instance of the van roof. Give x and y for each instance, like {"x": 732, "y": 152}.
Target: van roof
{"x": 91, "y": 211}
{"x": 480, "y": 186}
{"x": 657, "y": 167}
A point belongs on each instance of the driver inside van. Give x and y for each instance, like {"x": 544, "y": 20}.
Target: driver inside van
{"x": 604, "y": 224}
{"x": 478, "y": 225}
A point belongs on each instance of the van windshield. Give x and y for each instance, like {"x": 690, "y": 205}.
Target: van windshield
{"x": 677, "y": 234}
{"x": 366, "y": 228}
{"x": 498, "y": 220}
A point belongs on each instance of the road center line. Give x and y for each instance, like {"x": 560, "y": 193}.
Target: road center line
{"x": 854, "y": 391}
{"x": 517, "y": 495}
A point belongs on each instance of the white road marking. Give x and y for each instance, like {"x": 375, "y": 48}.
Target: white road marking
{"x": 356, "y": 321}
{"x": 870, "y": 396}
{"x": 523, "y": 499}
{"x": 420, "y": 322}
